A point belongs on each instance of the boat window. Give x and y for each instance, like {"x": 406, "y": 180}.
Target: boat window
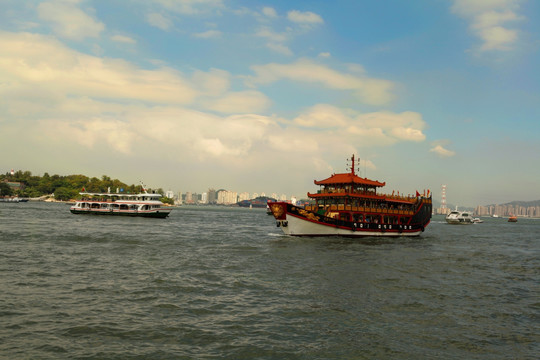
{"x": 344, "y": 216}
{"x": 390, "y": 220}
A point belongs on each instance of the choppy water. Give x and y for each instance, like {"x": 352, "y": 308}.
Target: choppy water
{"x": 223, "y": 283}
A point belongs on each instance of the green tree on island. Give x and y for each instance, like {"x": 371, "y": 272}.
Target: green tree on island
{"x": 5, "y": 189}
{"x": 63, "y": 187}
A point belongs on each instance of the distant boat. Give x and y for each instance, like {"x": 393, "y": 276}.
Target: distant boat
{"x": 459, "y": 218}
{"x": 512, "y": 218}
{"x": 477, "y": 220}
{"x": 12, "y": 199}
{"x": 495, "y": 215}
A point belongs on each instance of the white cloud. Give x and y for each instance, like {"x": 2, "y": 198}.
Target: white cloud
{"x": 210, "y": 34}
{"x": 324, "y": 55}
{"x": 275, "y": 40}
{"x": 190, "y": 7}
{"x": 363, "y": 129}
{"x": 497, "y": 38}
{"x": 31, "y": 61}
{"x": 389, "y": 127}
{"x": 442, "y": 152}
{"x": 279, "y": 48}
{"x": 213, "y": 82}
{"x": 269, "y": 12}
{"x": 238, "y": 102}
{"x": 159, "y": 21}
{"x": 92, "y": 132}
{"x": 473, "y": 7}
{"x": 488, "y": 21}
{"x": 304, "y": 17}
{"x": 304, "y": 22}
{"x": 369, "y": 90}
{"x": 271, "y": 35}
{"x": 322, "y": 116}
{"x": 123, "y": 39}
{"x": 68, "y": 21}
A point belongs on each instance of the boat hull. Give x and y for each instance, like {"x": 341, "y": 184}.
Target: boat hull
{"x": 149, "y": 214}
{"x": 459, "y": 222}
{"x": 296, "y": 221}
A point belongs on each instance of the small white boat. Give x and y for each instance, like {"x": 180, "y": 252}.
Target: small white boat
{"x": 459, "y": 218}
{"x": 10, "y": 199}
{"x": 477, "y": 220}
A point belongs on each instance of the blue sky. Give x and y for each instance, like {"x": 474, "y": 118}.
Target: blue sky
{"x": 267, "y": 96}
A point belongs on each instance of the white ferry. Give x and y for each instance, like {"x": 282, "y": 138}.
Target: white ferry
{"x": 142, "y": 204}
{"x": 459, "y": 218}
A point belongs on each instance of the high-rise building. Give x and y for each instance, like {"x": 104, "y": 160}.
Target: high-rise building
{"x": 227, "y": 197}
{"x": 212, "y": 196}
{"x": 243, "y": 196}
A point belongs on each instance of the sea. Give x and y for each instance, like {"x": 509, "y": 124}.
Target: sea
{"x": 225, "y": 283}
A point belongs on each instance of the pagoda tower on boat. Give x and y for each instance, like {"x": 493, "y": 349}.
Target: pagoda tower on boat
{"x": 349, "y": 205}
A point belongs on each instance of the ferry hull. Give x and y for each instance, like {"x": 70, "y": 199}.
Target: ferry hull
{"x": 150, "y": 214}
{"x": 459, "y": 222}
{"x": 296, "y": 221}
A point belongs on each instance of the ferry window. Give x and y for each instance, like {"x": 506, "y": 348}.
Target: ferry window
{"x": 358, "y": 217}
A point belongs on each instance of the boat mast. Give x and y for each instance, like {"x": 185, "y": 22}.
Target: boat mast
{"x": 352, "y": 165}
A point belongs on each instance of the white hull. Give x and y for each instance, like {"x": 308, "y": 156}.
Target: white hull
{"x": 456, "y": 222}
{"x": 295, "y": 226}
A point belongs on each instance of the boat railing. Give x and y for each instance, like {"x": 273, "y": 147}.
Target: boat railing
{"x": 363, "y": 209}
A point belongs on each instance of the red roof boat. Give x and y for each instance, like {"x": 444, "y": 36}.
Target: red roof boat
{"x": 348, "y": 205}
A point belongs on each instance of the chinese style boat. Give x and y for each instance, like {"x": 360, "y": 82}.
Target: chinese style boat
{"x": 348, "y": 205}
{"x": 120, "y": 204}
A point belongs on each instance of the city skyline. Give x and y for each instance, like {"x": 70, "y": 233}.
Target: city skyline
{"x": 184, "y": 94}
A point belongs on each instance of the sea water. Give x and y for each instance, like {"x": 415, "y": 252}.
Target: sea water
{"x": 225, "y": 283}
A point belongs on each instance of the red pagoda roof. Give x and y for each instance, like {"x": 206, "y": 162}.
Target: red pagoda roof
{"x": 348, "y": 178}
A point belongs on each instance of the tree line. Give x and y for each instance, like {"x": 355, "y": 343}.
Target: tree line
{"x": 65, "y": 188}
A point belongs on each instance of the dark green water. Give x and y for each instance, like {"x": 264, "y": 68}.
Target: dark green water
{"x": 223, "y": 283}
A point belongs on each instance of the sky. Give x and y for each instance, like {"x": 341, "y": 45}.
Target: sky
{"x": 267, "y": 96}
